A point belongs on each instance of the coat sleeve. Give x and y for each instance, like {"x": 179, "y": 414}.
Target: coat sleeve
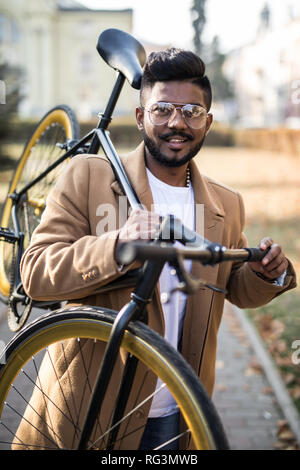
{"x": 64, "y": 260}
{"x": 247, "y": 290}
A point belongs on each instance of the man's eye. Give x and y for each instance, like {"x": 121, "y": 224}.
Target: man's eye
{"x": 163, "y": 109}
{"x": 193, "y": 111}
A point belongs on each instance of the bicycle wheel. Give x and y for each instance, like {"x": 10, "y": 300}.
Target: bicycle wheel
{"x": 57, "y": 126}
{"x": 55, "y": 403}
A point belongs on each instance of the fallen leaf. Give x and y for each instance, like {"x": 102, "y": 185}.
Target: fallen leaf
{"x": 289, "y": 378}
{"x": 267, "y": 391}
{"x": 295, "y": 392}
{"x": 280, "y": 445}
{"x": 286, "y": 436}
{"x": 220, "y": 388}
{"x": 278, "y": 346}
{"x": 255, "y": 366}
{"x": 281, "y": 424}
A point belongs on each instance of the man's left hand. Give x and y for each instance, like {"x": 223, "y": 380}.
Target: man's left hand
{"x": 274, "y": 264}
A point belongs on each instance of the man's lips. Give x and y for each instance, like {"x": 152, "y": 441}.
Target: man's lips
{"x": 176, "y": 141}
{"x": 178, "y": 137}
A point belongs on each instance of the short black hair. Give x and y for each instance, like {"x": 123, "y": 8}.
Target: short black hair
{"x": 176, "y": 64}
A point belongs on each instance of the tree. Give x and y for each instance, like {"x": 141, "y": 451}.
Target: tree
{"x": 211, "y": 54}
{"x": 222, "y": 89}
{"x": 10, "y": 79}
{"x": 11, "y": 88}
{"x": 198, "y": 21}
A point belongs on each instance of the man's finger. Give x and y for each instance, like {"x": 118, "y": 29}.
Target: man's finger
{"x": 278, "y": 271}
{"x": 272, "y": 253}
{"x": 275, "y": 262}
{"x": 265, "y": 243}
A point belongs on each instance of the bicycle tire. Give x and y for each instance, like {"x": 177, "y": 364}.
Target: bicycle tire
{"x": 95, "y": 323}
{"x": 57, "y": 125}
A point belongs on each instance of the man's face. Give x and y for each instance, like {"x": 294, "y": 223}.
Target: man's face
{"x": 173, "y": 143}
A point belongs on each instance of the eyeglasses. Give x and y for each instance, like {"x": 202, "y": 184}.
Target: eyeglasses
{"x": 194, "y": 115}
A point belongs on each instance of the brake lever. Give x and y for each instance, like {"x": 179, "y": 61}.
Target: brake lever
{"x": 189, "y": 284}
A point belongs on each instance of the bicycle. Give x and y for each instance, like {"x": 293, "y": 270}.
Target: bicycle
{"x": 92, "y": 331}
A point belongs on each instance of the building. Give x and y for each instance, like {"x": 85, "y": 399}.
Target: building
{"x": 54, "y": 44}
{"x": 266, "y": 75}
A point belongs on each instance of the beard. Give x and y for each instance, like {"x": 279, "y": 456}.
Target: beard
{"x": 161, "y": 158}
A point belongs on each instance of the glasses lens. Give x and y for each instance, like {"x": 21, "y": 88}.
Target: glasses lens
{"x": 194, "y": 115}
{"x": 161, "y": 112}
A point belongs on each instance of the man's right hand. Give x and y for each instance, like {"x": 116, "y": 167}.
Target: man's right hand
{"x": 140, "y": 225}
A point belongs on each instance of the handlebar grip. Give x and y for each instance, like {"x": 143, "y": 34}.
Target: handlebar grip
{"x": 256, "y": 254}
{"x": 129, "y": 252}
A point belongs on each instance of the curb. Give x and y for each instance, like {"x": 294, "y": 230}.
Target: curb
{"x": 285, "y": 402}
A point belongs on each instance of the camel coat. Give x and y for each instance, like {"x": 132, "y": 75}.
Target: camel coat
{"x": 72, "y": 253}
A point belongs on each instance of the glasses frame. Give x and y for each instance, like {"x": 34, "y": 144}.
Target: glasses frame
{"x": 176, "y": 106}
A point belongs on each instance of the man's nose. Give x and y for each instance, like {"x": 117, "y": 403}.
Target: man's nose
{"x": 176, "y": 120}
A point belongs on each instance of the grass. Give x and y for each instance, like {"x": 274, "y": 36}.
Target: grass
{"x": 269, "y": 184}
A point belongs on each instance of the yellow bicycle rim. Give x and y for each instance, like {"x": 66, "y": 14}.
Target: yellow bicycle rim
{"x": 143, "y": 350}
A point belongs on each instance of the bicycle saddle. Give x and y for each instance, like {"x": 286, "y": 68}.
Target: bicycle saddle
{"x": 122, "y": 52}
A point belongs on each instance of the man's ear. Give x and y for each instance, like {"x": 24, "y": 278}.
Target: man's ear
{"x": 139, "y": 115}
{"x": 208, "y": 123}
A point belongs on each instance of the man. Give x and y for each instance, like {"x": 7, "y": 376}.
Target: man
{"x": 71, "y": 254}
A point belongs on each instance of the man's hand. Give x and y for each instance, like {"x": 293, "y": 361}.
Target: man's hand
{"x": 274, "y": 264}
{"x": 140, "y": 225}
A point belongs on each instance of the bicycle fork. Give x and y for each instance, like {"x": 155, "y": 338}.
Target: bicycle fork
{"x": 131, "y": 311}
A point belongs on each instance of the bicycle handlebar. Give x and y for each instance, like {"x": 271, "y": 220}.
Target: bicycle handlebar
{"x": 212, "y": 254}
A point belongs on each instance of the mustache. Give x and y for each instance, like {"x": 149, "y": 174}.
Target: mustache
{"x": 177, "y": 134}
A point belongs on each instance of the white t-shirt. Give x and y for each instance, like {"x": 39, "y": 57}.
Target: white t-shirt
{"x": 178, "y": 201}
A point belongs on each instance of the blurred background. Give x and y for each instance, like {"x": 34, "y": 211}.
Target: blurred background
{"x": 251, "y": 49}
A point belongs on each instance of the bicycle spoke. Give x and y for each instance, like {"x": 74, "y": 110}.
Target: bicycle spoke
{"x": 87, "y": 382}
{"x": 129, "y": 414}
{"x": 171, "y": 440}
{"x": 41, "y": 389}
{"x": 60, "y": 387}
{"x": 48, "y": 398}
{"x": 70, "y": 386}
{"x": 12, "y": 433}
{"x": 24, "y": 418}
{"x": 33, "y": 409}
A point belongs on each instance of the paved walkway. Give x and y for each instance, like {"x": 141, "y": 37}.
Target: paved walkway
{"x": 243, "y": 396}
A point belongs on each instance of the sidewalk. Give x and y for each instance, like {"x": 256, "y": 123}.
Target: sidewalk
{"x": 243, "y": 395}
